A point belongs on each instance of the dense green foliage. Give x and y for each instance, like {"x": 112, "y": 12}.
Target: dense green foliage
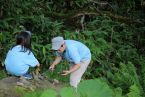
{"x": 113, "y": 30}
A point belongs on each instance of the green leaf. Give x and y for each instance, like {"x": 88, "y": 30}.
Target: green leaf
{"x": 48, "y": 93}
{"x": 68, "y": 92}
{"x": 94, "y": 88}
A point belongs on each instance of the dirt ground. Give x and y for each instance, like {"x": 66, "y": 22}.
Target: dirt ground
{"x": 10, "y": 88}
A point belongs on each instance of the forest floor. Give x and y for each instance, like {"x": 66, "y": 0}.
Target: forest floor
{"x": 9, "y": 86}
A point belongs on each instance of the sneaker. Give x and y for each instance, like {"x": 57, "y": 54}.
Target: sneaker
{"x": 27, "y": 76}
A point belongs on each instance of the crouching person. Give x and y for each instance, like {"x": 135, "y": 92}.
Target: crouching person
{"x": 20, "y": 57}
{"x": 76, "y": 53}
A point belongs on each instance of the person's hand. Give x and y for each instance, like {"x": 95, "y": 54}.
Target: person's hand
{"x": 52, "y": 67}
{"x": 65, "y": 72}
{"x": 37, "y": 70}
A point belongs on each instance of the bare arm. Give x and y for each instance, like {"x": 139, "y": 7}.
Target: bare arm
{"x": 74, "y": 68}
{"x": 37, "y": 70}
{"x": 56, "y": 61}
{"x": 38, "y": 65}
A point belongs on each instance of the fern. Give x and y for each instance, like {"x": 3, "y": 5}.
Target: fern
{"x": 134, "y": 91}
{"x": 142, "y": 63}
{"x": 127, "y": 76}
{"x": 117, "y": 92}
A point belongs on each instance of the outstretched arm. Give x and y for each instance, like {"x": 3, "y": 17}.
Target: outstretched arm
{"x": 56, "y": 61}
{"x": 72, "y": 69}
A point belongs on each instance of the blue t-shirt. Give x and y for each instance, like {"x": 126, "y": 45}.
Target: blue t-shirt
{"x": 18, "y": 62}
{"x": 75, "y": 52}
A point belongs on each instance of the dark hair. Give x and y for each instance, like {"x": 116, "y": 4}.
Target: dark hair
{"x": 24, "y": 39}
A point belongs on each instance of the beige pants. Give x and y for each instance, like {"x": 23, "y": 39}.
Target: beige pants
{"x": 75, "y": 77}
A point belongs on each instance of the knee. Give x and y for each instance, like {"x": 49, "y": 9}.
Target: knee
{"x": 74, "y": 81}
{"x": 74, "y": 84}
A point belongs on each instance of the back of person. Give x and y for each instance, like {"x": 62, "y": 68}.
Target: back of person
{"x": 16, "y": 61}
{"x": 19, "y": 58}
{"x": 83, "y": 50}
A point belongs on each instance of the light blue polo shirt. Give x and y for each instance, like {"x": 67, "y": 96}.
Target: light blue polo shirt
{"x": 76, "y": 52}
{"x": 18, "y": 62}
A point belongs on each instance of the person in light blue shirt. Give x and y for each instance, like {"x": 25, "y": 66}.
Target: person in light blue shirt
{"x": 76, "y": 53}
{"x": 20, "y": 57}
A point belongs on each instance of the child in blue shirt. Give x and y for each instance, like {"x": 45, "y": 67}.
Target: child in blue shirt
{"x": 20, "y": 57}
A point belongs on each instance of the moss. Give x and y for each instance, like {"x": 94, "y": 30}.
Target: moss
{"x": 2, "y": 74}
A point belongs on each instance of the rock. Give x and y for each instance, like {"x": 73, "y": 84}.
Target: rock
{"x": 55, "y": 81}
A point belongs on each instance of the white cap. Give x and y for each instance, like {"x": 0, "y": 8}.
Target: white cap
{"x": 57, "y": 42}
